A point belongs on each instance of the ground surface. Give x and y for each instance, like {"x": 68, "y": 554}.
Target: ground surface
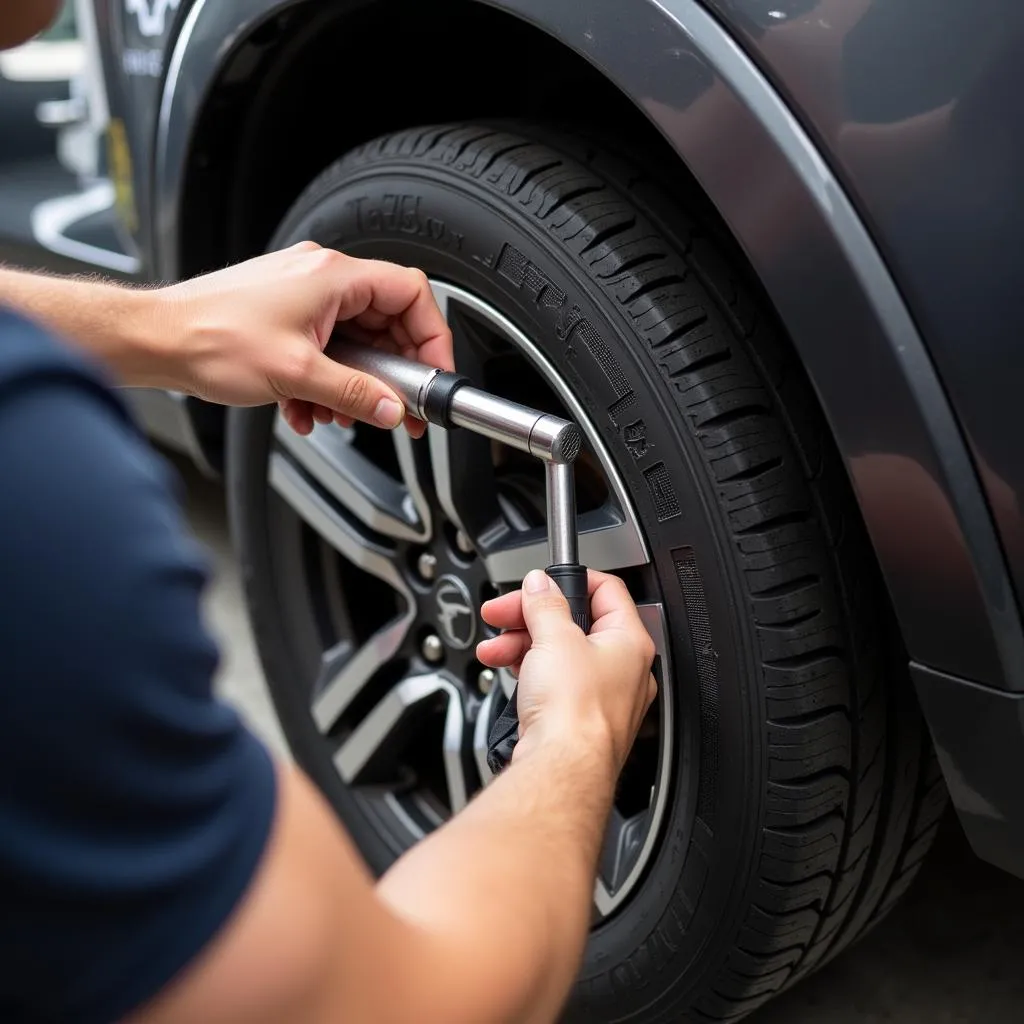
{"x": 950, "y": 954}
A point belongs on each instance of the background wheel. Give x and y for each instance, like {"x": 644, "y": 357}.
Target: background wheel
{"x": 782, "y": 792}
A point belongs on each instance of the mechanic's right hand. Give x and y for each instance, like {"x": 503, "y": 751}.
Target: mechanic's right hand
{"x": 254, "y": 333}
{"x": 573, "y": 687}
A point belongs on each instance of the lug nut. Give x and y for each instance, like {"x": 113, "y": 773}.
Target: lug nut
{"x": 426, "y": 565}
{"x": 485, "y": 681}
{"x": 433, "y": 648}
{"x": 463, "y": 543}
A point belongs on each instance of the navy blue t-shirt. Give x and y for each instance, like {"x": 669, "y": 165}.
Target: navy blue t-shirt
{"x": 134, "y": 806}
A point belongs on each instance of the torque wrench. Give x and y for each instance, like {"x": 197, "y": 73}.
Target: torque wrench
{"x": 449, "y": 400}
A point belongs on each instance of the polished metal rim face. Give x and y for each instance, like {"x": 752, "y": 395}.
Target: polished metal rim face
{"x": 404, "y": 540}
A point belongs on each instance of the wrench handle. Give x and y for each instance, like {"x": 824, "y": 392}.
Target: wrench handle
{"x": 572, "y": 581}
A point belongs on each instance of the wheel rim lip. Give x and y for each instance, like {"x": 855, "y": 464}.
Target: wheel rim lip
{"x": 654, "y": 615}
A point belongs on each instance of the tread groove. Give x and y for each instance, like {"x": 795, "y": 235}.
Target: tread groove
{"x": 812, "y": 717}
{"x": 604, "y": 235}
{"x": 499, "y": 153}
{"x": 680, "y": 332}
{"x": 701, "y": 364}
{"x": 804, "y": 660}
{"x": 652, "y": 286}
{"x": 569, "y": 196}
{"x": 790, "y": 587}
{"x": 786, "y": 519}
{"x": 622, "y": 269}
{"x": 753, "y": 472}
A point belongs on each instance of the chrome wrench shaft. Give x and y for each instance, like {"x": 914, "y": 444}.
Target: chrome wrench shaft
{"x": 448, "y": 400}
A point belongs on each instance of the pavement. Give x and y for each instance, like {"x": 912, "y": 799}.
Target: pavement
{"x": 951, "y": 953}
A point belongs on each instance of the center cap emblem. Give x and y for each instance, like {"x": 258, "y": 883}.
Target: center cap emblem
{"x": 455, "y": 616}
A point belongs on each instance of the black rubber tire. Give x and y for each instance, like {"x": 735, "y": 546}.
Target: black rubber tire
{"x": 810, "y": 793}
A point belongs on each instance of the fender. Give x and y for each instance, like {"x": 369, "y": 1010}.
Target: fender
{"x": 916, "y": 484}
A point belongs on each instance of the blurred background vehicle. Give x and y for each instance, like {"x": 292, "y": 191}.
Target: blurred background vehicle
{"x": 56, "y": 202}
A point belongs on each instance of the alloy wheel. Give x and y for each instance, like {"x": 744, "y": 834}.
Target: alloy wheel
{"x": 403, "y": 540}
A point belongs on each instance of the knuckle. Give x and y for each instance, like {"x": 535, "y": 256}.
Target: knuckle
{"x": 353, "y": 393}
{"x": 321, "y": 261}
{"x": 294, "y": 369}
{"x": 306, "y": 246}
{"x": 301, "y": 362}
{"x": 648, "y": 648}
{"x": 652, "y": 689}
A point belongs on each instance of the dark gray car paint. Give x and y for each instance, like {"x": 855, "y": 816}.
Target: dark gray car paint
{"x": 820, "y": 259}
{"x": 918, "y": 104}
{"x": 979, "y": 738}
{"x": 816, "y": 261}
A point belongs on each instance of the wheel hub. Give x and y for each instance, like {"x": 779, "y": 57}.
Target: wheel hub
{"x": 449, "y": 583}
{"x": 426, "y": 531}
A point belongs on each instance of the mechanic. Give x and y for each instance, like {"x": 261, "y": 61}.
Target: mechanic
{"x": 155, "y": 864}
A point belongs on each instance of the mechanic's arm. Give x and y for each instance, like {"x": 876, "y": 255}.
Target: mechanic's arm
{"x": 253, "y": 333}
{"x": 486, "y": 919}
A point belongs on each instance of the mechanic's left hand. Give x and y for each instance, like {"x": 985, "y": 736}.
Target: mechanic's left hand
{"x": 254, "y": 333}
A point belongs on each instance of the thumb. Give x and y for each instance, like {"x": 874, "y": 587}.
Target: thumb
{"x": 545, "y": 609}
{"x": 351, "y": 393}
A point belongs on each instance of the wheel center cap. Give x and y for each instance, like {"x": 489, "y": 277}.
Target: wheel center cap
{"x": 456, "y": 619}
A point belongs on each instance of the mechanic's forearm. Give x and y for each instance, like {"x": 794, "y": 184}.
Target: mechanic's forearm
{"x": 506, "y": 887}
{"x": 120, "y": 326}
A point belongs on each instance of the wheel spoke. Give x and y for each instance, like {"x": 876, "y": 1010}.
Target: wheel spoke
{"x": 622, "y": 841}
{"x": 441, "y": 293}
{"x": 346, "y": 669}
{"x": 374, "y": 558}
{"x": 481, "y": 730}
{"x": 409, "y": 467}
{"x": 604, "y": 902}
{"x": 464, "y": 479}
{"x": 383, "y": 504}
{"x": 454, "y": 752}
{"x": 462, "y": 463}
{"x": 381, "y": 727}
{"x": 608, "y": 541}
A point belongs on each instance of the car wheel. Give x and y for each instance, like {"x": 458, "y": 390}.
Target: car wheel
{"x": 782, "y": 792}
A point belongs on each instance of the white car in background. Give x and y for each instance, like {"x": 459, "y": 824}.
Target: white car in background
{"x": 56, "y": 201}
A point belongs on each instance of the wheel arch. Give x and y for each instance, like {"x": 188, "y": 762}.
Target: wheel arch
{"x": 684, "y": 86}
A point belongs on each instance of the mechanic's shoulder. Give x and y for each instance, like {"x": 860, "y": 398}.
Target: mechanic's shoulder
{"x": 68, "y": 440}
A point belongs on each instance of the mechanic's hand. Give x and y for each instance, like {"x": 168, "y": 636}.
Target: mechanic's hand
{"x": 254, "y": 333}
{"x": 573, "y": 685}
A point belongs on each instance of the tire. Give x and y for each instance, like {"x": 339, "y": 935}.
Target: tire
{"x": 804, "y": 792}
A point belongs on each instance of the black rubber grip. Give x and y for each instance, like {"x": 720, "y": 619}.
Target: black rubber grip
{"x": 504, "y": 731}
{"x": 437, "y": 402}
{"x": 572, "y": 581}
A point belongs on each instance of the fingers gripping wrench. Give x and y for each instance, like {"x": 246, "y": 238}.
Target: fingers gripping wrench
{"x": 448, "y": 400}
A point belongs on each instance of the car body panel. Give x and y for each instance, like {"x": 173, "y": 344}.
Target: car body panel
{"x": 978, "y": 735}
{"x": 918, "y": 105}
